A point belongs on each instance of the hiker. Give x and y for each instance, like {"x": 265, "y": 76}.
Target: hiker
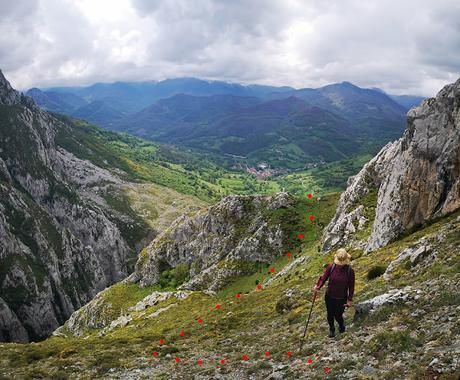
{"x": 340, "y": 289}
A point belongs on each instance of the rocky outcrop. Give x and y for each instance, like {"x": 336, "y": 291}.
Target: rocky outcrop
{"x": 99, "y": 313}
{"x": 392, "y": 297}
{"x": 417, "y": 178}
{"x": 59, "y": 246}
{"x": 8, "y": 96}
{"x": 219, "y": 243}
{"x": 288, "y": 269}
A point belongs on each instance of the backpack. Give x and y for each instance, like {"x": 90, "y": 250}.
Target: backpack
{"x": 333, "y": 267}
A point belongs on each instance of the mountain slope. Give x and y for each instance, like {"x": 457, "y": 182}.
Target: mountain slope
{"x": 244, "y": 126}
{"x": 100, "y": 112}
{"x": 407, "y": 313}
{"x": 59, "y": 247}
{"x": 248, "y": 231}
{"x": 181, "y": 114}
{"x": 69, "y": 225}
{"x": 374, "y": 112}
{"x": 409, "y": 331}
{"x": 61, "y": 102}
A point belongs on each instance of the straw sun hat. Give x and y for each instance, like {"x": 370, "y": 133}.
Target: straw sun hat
{"x": 342, "y": 257}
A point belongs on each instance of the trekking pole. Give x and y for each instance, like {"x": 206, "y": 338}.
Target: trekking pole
{"x": 308, "y": 320}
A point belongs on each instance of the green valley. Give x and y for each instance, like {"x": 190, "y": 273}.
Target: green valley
{"x": 191, "y": 172}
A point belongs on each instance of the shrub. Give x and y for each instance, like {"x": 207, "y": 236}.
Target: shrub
{"x": 105, "y": 361}
{"x": 391, "y": 341}
{"x": 34, "y": 355}
{"x": 66, "y": 352}
{"x": 36, "y": 373}
{"x": 376, "y": 271}
{"x": 59, "y": 375}
{"x": 181, "y": 273}
{"x": 294, "y": 316}
{"x": 174, "y": 277}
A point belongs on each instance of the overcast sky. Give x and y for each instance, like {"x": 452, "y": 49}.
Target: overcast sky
{"x": 402, "y": 46}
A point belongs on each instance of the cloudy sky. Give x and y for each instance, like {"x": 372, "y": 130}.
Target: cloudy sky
{"x": 402, "y": 46}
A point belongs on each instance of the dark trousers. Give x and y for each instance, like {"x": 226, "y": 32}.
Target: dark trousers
{"x": 335, "y": 311}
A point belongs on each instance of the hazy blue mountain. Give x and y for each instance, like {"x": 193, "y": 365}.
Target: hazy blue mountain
{"x": 407, "y": 101}
{"x": 348, "y": 99}
{"x": 131, "y": 97}
{"x": 100, "y": 112}
{"x": 281, "y": 125}
{"x": 185, "y": 112}
{"x": 328, "y": 124}
{"x": 63, "y": 102}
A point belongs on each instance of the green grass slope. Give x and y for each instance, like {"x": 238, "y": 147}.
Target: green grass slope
{"x": 397, "y": 342}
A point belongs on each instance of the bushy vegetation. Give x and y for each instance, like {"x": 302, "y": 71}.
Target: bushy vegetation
{"x": 375, "y": 272}
{"x": 175, "y": 277}
{"x": 391, "y": 341}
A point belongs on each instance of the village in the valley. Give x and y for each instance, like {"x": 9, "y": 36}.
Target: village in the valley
{"x": 265, "y": 170}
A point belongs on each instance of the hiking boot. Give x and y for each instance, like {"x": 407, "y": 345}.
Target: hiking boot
{"x": 331, "y": 333}
{"x": 342, "y": 329}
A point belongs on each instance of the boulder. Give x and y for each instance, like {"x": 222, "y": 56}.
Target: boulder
{"x": 416, "y": 255}
{"x": 419, "y": 254}
{"x": 394, "y": 296}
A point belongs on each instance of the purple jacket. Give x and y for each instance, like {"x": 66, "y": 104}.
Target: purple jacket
{"x": 341, "y": 282}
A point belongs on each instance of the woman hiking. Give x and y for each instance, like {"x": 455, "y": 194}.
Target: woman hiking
{"x": 340, "y": 289}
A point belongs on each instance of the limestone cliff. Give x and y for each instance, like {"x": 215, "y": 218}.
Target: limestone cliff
{"x": 219, "y": 243}
{"x": 59, "y": 245}
{"x": 415, "y": 179}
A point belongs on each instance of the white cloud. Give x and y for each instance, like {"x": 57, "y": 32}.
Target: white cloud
{"x": 401, "y": 46}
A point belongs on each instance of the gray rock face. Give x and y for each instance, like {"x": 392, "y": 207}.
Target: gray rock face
{"x": 12, "y": 328}
{"x": 419, "y": 254}
{"x": 218, "y": 243}
{"x": 417, "y": 177}
{"x": 58, "y": 245}
{"x": 8, "y": 96}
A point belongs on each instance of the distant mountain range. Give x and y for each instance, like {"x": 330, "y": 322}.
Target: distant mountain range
{"x": 280, "y": 125}
{"x": 129, "y": 97}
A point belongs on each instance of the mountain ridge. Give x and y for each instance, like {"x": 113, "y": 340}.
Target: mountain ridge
{"x": 288, "y": 125}
{"x": 160, "y": 112}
